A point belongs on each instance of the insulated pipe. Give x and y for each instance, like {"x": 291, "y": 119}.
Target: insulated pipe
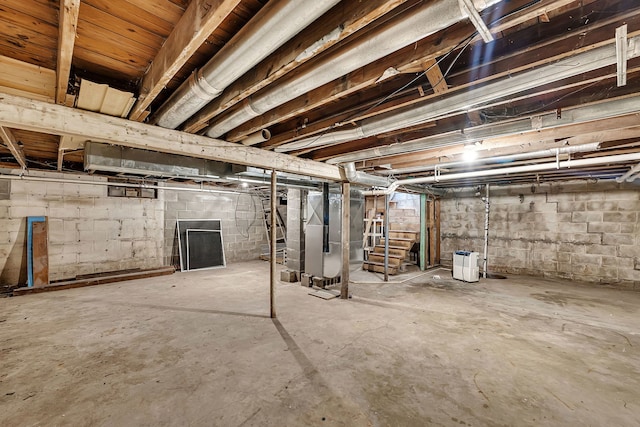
{"x": 362, "y": 178}
{"x": 428, "y": 19}
{"x": 632, "y": 157}
{"x": 569, "y": 149}
{"x": 258, "y": 137}
{"x": 486, "y": 231}
{"x": 463, "y": 101}
{"x": 272, "y": 26}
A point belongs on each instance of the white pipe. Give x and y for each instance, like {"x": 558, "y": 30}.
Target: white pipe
{"x": 629, "y": 175}
{"x": 273, "y": 25}
{"x": 257, "y": 137}
{"x": 486, "y": 231}
{"x": 569, "y": 149}
{"x": 510, "y": 170}
{"x": 463, "y": 101}
{"x": 428, "y": 19}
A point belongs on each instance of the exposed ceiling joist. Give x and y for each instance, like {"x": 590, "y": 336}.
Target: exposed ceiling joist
{"x": 11, "y": 143}
{"x": 200, "y": 19}
{"x": 69, "y": 10}
{"x": 39, "y": 116}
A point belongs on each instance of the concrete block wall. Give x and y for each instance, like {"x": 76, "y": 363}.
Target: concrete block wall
{"x": 243, "y": 230}
{"x": 580, "y": 231}
{"x": 88, "y": 231}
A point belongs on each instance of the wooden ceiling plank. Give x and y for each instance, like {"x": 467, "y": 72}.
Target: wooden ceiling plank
{"x": 69, "y": 10}
{"x": 27, "y": 79}
{"x": 201, "y": 18}
{"x": 12, "y": 144}
{"x": 22, "y": 113}
{"x": 350, "y": 17}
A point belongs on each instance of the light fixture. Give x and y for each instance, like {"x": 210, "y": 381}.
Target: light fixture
{"x": 470, "y": 153}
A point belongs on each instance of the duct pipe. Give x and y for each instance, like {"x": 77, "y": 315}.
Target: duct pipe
{"x": 258, "y": 137}
{"x": 428, "y": 19}
{"x": 274, "y": 25}
{"x": 463, "y": 101}
{"x": 629, "y": 176}
{"x": 569, "y": 149}
{"x": 595, "y": 161}
{"x": 486, "y": 231}
{"x": 362, "y": 178}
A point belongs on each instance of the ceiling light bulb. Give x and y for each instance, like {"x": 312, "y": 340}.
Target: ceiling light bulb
{"x": 469, "y": 155}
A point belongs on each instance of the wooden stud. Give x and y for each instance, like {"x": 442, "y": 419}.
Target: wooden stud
{"x": 198, "y": 22}
{"x": 11, "y": 143}
{"x": 346, "y": 238}
{"x": 21, "y": 113}
{"x": 69, "y": 10}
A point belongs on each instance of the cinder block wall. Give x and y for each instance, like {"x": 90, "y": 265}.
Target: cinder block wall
{"x": 581, "y": 231}
{"x": 243, "y": 230}
{"x": 88, "y": 231}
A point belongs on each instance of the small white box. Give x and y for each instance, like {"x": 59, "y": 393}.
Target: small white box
{"x": 465, "y": 266}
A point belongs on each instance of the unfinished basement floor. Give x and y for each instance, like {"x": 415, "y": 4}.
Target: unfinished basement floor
{"x": 198, "y": 349}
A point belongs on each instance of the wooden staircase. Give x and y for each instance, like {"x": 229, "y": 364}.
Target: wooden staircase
{"x": 400, "y": 244}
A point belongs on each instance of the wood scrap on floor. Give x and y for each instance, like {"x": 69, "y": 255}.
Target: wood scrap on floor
{"x": 70, "y": 284}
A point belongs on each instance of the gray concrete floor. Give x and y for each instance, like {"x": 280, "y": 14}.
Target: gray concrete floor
{"x": 197, "y": 349}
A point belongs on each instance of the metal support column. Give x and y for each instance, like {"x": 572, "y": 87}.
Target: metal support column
{"x": 423, "y": 232}
{"x": 386, "y": 237}
{"x": 346, "y": 238}
{"x": 486, "y": 232}
{"x": 272, "y": 249}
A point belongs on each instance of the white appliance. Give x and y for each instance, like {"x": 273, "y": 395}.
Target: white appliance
{"x": 465, "y": 266}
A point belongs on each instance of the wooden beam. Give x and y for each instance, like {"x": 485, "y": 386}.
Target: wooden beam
{"x": 351, "y": 16}
{"x": 69, "y": 10}
{"x": 199, "y": 21}
{"x": 37, "y": 116}
{"x": 11, "y": 143}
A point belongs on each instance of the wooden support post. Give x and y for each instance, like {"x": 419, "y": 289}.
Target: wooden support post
{"x": 272, "y": 255}
{"x": 346, "y": 238}
{"x": 423, "y": 232}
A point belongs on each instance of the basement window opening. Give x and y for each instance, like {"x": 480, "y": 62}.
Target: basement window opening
{"x": 131, "y": 189}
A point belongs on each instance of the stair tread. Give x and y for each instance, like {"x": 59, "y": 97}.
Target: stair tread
{"x": 404, "y": 231}
{"x": 406, "y": 239}
{"x": 390, "y": 255}
{"x": 380, "y": 263}
{"x": 392, "y": 247}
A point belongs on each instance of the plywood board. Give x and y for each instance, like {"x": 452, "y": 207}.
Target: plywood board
{"x": 40, "y": 253}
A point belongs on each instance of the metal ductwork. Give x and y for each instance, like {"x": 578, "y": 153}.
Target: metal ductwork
{"x": 112, "y": 158}
{"x": 274, "y": 25}
{"x": 427, "y": 19}
{"x": 463, "y": 101}
{"x": 362, "y": 178}
{"x": 619, "y": 158}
